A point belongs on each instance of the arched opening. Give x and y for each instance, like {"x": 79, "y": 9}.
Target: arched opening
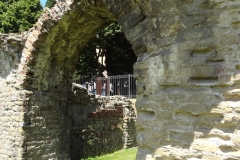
{"x": 108, "y": 50}
{"x": 105, "y": 64}
{"x": 47, "y": 66}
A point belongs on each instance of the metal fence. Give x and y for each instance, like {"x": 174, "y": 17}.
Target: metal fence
{"x": 113, "y": 85}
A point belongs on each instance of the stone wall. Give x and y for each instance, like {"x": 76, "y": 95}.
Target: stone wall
{"x": 122, "y": 109}
{"x": 12, "y": 98}
{"x": 188, "y": 80}
{"x": 101, "y": 136}
{"x": 107, "y": 125}
{"x": 106, "y": 135}
{"x": 187, "y": 77}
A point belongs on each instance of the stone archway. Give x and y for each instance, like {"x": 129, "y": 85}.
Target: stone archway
{"x": 187, "y": 73}
{"x": 47, "y": 64}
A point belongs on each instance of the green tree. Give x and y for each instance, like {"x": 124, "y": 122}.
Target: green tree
{"x": 18, "y": 15}
{"x": 118, "y": 51}
{"x": 111, "y": 42}
{"x": 50, "y": 3}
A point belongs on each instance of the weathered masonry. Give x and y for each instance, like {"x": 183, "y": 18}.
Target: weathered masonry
{"x": 103, "y": 125}
{"x": 187, "y": 72}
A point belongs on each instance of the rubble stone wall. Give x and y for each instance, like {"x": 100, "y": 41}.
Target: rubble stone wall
{"x": 12, "y": 98}
{"x": 187, "y": 75}
{"x": 101, "y": 124}
{"x": 106, "y": 135}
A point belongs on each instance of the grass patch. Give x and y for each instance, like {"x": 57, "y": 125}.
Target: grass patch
{"x": 124, "y": 154}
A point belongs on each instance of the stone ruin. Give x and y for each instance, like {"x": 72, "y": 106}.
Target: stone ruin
{"x": 187, "y": 75}
{"x": 108, "y": 125}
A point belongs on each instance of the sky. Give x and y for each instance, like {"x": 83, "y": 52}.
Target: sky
{"x": 43, "y": 2}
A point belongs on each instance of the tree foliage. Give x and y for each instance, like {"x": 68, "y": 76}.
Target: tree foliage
{"x": 118, "y": 51}
{"x": 50, "y": 3}
{"x": 111, "y": 42}
{"x": 18, "y": 15}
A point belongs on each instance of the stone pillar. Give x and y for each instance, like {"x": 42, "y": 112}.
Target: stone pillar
{"x": 12, "y": 98}
{"x": 188, "y": 81}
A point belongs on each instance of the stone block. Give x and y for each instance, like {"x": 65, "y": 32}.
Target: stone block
{"x": 204, "y": 72}
{"x": 205, "y": 146}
